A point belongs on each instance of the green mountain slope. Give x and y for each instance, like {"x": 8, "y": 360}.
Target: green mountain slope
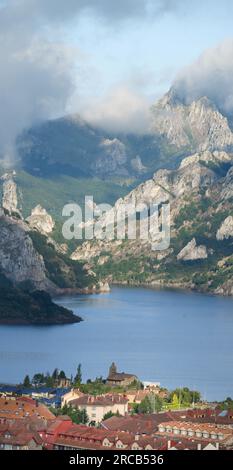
{"x": 200, "y": 255}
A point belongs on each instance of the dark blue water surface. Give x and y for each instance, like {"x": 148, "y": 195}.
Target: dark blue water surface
{"x": 176, "y": 338}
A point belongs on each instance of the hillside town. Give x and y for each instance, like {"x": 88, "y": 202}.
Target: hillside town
{"x": 116, "y": 413}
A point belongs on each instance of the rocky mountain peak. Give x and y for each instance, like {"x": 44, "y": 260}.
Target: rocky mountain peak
{"x": 41, "y": 220}
{"x": 198, "y": 125}
{"x": 9, "y": 194}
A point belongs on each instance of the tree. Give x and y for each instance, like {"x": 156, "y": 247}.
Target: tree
{"x": 62, "y": 375}
{"x": 186, "y": 396}
{"x": 55, "y": 374}
{"x": 49, "y": 381}
{"x": 38, "y": 379}
{"x": 110, "y": 414}
{"x": 175, "y": 401}
{"x": 78, "y": 377}
{"x": 76, "y": 415}
{"x": 145, "y": 406}
{"x": 27, "y": 382}
{"x": 82, "y": 416}
{"x": 156, "y": 403}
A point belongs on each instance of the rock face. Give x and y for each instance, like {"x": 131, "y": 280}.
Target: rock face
{"x": 199, "y": 125}
{"x": 226, "y": 288}
{"x": 18, "y": 258}
{"x": 199, "y": 196}
{"x": 208, "y": 158}
{"x": 192, "y": 176}
{"x": 226, "y": 229}
{"x": 227, "y": 190}
{"x": 9, "y": 194}
{"x": 112, "y": 159}
{"x": 41, "y": 220}
{"x": 192, "y": 252}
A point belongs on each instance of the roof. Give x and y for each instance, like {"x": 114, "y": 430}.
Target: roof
{"x": 16, "y": 408}
{"x": 138, "y": 424}
{"x": 101, "y": 400}
{"x": 120, "y": 376}
{"x": 85, "y": 437}
{"x": 18, "y": 434}
{"x": 202, "y": 427}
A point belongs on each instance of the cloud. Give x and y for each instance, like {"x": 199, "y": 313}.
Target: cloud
{"x": 61, "y": 10}
{"x": 123, "y": 109}
{"x": 36, "y": 79}
{"x": 211, "y": 75}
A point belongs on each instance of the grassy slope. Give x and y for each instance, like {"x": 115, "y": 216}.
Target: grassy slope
{"x": 54, "y": 193}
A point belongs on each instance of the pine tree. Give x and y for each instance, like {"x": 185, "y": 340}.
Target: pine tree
{"x": 78, "y": 377}
{"x": 26, "y": 382}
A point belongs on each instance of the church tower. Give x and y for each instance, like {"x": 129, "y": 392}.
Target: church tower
{"x": 112, "y": 369}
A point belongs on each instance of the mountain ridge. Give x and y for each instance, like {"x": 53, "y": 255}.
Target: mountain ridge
{"x": 200, "y": 193}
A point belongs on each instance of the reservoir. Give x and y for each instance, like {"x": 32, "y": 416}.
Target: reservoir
{"x": 173, "y": 337}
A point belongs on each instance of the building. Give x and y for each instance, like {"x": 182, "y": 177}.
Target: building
{"x": 80, "y": 437}
{"x": 19, "y": 436}
{"x": 60, "y": 425}
{"x": 71, "y": 396}
{"x": 120, "y": 379}
{"x": 63, "y": 382}
{"x": 197, "y": 431}
{"x": 16, "y": 408}
{"x": 151, "y": 385}
{"x": 97, "y": 407}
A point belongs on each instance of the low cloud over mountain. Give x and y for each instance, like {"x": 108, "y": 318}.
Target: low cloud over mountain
{"x": 211, "y": 76}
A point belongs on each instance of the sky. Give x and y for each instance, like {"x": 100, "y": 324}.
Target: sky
{"x": 108, "y": 60}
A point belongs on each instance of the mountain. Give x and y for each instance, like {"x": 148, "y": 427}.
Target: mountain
{"x": 72, "y": 147}
{"x": 65, "y": 159}
{"x": 33, "y": 265}
{"x": 200, "y": 255}
{"x": 197, "y": 126}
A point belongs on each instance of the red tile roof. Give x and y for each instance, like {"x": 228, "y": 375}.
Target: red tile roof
{"x": 16, "y": 408}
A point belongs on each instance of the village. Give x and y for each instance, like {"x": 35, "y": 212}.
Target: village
{"x": 116, "y": 413}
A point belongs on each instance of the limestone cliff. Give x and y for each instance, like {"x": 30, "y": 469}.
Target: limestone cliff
{"x": 198, "y": 125}
{"x": 28, "y": 256}
{"x": 226, "y": 229}
{"x": 9, "y": 194}
{"x": 41, "y": 220}
{"x": 199, "y": 193}
{"x": 19, "y": 260}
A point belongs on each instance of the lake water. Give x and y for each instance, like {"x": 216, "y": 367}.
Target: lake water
{"x": 176, "y": 338}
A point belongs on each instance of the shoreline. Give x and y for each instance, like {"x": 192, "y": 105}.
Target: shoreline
{"x": 171, "y": 287}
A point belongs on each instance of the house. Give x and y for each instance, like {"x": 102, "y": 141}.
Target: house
{"x": 59, "y": 425}
{"x": 43, "y": 392}
{"x": 63, "y": 382}
{"x": 197, "y": 431}
{"x": 120, "y": 379}
{"x": 71, "y": 395}
{"x": 16, "y": 408}
{"x": 97, "y": 407}
{"x": 18, "y": 436}
{"x": 87, "y": 438}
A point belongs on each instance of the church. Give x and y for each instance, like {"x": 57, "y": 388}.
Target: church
{"x": 119, "y": 379}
